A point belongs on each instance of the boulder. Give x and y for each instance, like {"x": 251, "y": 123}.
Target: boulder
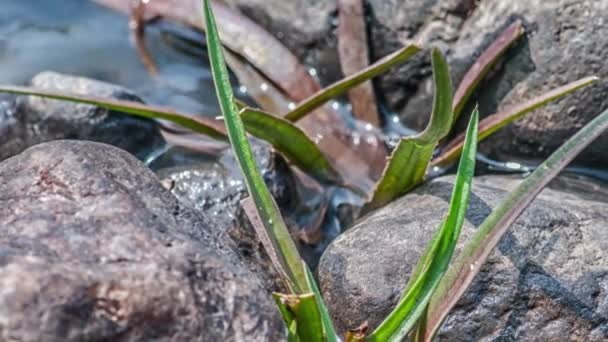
{"x": 547, "y": 279}
{"x": 565, "y": 41}
{"x": 93, "y": 247}
{"x": 32, "y": 120}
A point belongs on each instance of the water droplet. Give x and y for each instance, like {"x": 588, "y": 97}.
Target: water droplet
{"x": 312, "y": 72}
{"x": 318, "y": 138}
{"x": 243, "y": 89}
{"x": 395, "y": 119}
{"x": 335, "y": 105}
{"x": 368, "y": 127}
{"x": 291, "y": 106}
{"x": 513, "y": 165}
{"x": 264, "y": 87}
{"x": 356, "y": 139}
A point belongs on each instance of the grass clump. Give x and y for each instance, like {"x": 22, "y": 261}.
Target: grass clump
{"x": 437, "y": 282}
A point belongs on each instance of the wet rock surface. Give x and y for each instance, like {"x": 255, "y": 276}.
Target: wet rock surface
{"x": 565, "y": 41}
{"x": 547, "y": 279}
{"x": 32, "y": 120}
{"x": 92, "y": 247}
{"x": 216, "y": 190}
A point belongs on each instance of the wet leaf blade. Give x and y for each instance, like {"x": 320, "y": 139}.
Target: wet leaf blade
{"x": 301, "y": 312}
{"x": 288, "y": 317}
{"x": 270, "y": 98}
{"x": 476, "y": 251}
{"x": 328, "y": 326}
{"x": 200, "y": 125}
{"x": 494, "y": 122}
{"x": 248, "y": 39}
{"x": 409, "y": 161}
{"x": 436, "y": 259}
{"x": 484, "y": 64}
{"x": 354, "y": 56}
{"x": 267, "y": 208}
{"x": 291, "y": 141}
{"x": 242, "y": 36}
{"x": 344, "y": 85}
{"x": 310, "y": 325}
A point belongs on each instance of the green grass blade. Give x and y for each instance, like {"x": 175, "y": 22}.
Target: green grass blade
{"x": 494, "y": 122}
{"x": 344, "y": 85}
{"x": 408, "y": 163}
{"x": 291, "y": 141}
{"x": 288, "y": 317}
{"x": 265, "y": 204}
{"x": 434, "y": 263}
{"x": 310, "y": 325}
{"x": 483, "y": 65}
{"x": 200, "y": 125}
{"x": 328, "y": 325}
{"x": 302, "y": 317}
{"x": 476, "y": 251}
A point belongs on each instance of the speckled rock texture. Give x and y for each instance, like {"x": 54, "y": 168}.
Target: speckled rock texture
{"x": 32, "y": 120}
{"x": 216, "y": 189}
{"x": 565, "y": 41}
{"x": 94, "y": 248}
{"x": 546, "y": 281}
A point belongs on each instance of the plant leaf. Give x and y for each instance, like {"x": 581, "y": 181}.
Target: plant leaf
{"x": 291, "y": 141}
{"x": 494, "y": 122}
{"x": 200, "y": 125}
{"x": 265, "y": 204}
{"x": 436, "y": 259}
{"x": 408, "y": 163}
{"x": 288, "y": 317}
{"x": 483, "y": 65}
{"x": 354, "y": 56}
{"x": 259, "y": 88}
{"x": 241, "y": 35}
{"x": 489, "y": 233}
{"x": 284, "y": 136}
{"x": 137, "y": 26}
{"x": 303, "y": 310}
{"x": 328, "y": 326}
{"x": 344, "y": 85}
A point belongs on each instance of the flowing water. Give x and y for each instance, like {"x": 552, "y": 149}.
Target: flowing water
{"x": 81, "y": 38}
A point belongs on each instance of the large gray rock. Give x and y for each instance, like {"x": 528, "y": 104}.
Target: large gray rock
{"x": 34, "y": 119}
{"x": 566, "y": 40}
{"x": 547, "y": 280}
{"x": 216, "y": 189}
{"x": 93, "y": 247}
